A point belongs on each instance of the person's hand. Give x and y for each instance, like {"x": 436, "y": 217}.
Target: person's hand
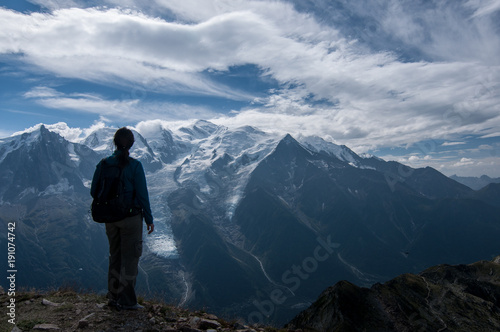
{"x": 151, "y": 228}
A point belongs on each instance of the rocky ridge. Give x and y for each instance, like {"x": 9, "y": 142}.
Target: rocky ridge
{"x": 67, "y": 310}
{"x": 441, "y": 298}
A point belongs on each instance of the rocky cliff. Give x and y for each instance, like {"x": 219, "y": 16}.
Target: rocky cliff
{"x": 441, "y": 298}
{"x": 67, "y": 310}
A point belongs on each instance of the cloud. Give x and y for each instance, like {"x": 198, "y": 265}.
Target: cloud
{"x": 71, "y": 134}
{"x": 117, "y": 110}
{"x": 55, "y": 4}
{"x": 125, "y": 47}
{"x": 494, "y": 134}
{"x": 42, "y": 92}
{"x": 483, "y": 8}
{"x": 5, "y": 133}
{"x": 452, "y": 143}
{"x": 464, "y": 162}
{"x": 440, "y": 29}
{"x": 330, "y": 83}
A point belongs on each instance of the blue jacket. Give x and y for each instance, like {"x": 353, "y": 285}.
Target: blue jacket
{"x": 134, "y": 178}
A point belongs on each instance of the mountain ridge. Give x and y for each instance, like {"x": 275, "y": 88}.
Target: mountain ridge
{"x": 412, "y": 302}
{"x": 475, "y": 183}
{"x": 243, "y": 215}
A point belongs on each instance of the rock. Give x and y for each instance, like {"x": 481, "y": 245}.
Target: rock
{"x": 46, "y": 327}
{"x": 16, "y": 329}
{"x": 88, "y": 316}
{"x": 194, "y": 321}
{"x": 170, "y": 318}
{"x": 83, "y": 323}
{"x": 210, "y": 316}
{"x": 157, "y": 308}
{"x": 52, "y": 304}
{"x": 206, "y": 324}
{"x": 239, "y": 326}
{"x": 187, "y": 328}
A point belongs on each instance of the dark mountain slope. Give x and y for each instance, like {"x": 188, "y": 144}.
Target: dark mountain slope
{"x": 222, "y": 276}
{"x": 377, "y": 229}
{"x": 442, "y": 298}
{"x": 489, "y": 194}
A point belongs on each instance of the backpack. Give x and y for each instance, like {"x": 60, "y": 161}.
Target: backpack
{"x": 109, "y": 204}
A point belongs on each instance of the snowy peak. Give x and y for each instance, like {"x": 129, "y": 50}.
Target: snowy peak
{"x": 41, "y": 162}
{"x": 289, "y": 146}
{"x": 27, "y": 140}
{"x": 199, "y": 130}
{"x": 234, "y": 146}
{"x": 167, "y": 146}
{"x": 319, "y": 145}
{"x": 101, "y": 141}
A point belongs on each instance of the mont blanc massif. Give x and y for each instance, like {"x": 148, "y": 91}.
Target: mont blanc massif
{"x": 248, "y": 224}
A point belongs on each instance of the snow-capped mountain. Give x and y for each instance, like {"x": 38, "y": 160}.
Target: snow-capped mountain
{"x": 41, "y": 163}
{"x": 249, "y": 223}
{"x": 101, "y": 141}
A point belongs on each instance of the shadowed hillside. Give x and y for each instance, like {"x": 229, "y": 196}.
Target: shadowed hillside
{"x": 441, "y": 298}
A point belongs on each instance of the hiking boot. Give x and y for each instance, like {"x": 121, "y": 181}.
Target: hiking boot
{"x": 136, "y": 306}
{"x": 112, "y": 303}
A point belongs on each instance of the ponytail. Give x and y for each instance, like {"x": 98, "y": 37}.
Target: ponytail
{"x": 123, "y": 140}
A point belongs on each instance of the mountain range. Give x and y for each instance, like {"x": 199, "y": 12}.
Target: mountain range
{"x": 475, "y": 183}
{"x": 248, "y": 223}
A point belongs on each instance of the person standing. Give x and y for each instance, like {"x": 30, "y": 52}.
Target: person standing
{"x": 125, "y": 236}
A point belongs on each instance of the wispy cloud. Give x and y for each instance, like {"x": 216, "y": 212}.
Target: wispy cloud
{"x": 452, "y": 143}
{"x": 485, "y": 7}
{"x": 434, "y": 73}
{"x": 115, "y": 109}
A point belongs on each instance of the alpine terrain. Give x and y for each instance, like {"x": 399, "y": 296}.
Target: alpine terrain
{"x": 249, "y": 224}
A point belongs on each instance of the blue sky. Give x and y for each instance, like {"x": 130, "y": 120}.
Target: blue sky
{"x": 412, "y": 81}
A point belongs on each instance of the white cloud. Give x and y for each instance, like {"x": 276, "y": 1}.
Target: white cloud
{"x": 440, "y": 29}
{"x": 484, "y": 7}
{"x": 494, "y": 134}
{"x": 55, "y": 4}
{"x": 452, "y": 143}
{"x": 114, "y": 45}
{"x": 71, "y": 134}
{"x": 464, "y": 162}
{"x": 42, "y": 92}
{"x": 117, "y": 110}
{"x": 5, "y": 133}
{"x": 330, "y": 83}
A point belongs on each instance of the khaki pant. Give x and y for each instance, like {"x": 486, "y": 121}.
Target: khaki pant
{"x": 125, "y": 249}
